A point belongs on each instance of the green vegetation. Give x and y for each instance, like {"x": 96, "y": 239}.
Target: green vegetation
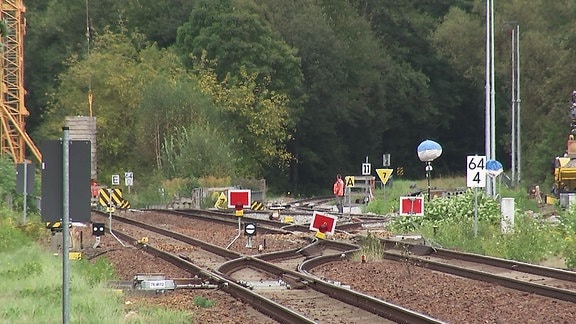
{"x": 204, "y": 302}
{"x": 294, "y": 93}
{"x": 370, "y": 247}
{"x": 32, "y": 284}
{"x": 449, "y": 222}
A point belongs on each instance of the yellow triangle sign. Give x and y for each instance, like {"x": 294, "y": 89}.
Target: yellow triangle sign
{"x": 384, "y": 174}
{"x": 221, "y": 201}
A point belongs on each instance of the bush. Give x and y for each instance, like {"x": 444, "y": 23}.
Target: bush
{"x": 449, "y": 222}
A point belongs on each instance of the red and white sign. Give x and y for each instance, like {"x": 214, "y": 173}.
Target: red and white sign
{"x": 238, "y": 196}
{"x": 412, "y": 206}
{"x": 324, "y": 223}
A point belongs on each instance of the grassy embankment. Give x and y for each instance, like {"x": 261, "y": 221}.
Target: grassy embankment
{"x": 542, "y": 238}
{"x": 31, "y": 283}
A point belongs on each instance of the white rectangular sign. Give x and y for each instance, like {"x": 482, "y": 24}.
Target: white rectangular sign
{"x": 366, "y": 168}
{"x": 386, "y": 160}
{"x": 128, "y": 178}
{"x": 476, "y": 171}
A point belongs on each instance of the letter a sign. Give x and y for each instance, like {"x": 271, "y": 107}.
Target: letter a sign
{"x": 349, "y": 181}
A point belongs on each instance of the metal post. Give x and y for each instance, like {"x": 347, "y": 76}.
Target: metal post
{"x": 237, "y": 236}
{"x": 110, "y": 205}
{"x": 518, "y": 141}
{"x": 347, "y": 201}
{"x": 475, "y": 211}
{"x": 487, "y": 134}
{"x": 513, "y": 119}
{"x": 65, "y": 229}
{"x": 25, "y": 193}
{"x": 492, "y": 96}
{"x": 428, "y": 169}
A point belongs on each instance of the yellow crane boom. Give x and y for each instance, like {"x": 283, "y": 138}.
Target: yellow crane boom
{"x": 13, "y": 137}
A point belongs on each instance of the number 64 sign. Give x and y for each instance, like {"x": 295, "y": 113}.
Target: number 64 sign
{"x": 476, "y": 171}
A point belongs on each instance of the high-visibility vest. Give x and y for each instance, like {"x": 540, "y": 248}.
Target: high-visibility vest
{"x": 339, "y": 187}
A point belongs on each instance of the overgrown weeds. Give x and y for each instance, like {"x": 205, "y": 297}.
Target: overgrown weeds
{"x": 452, "y": 223}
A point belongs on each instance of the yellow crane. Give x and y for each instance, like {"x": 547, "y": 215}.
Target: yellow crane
{"x": 13, "y": 137}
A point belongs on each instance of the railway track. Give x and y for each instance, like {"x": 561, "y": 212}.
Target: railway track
{"x": 301, "y": 217}
{"x": 262, "y": 280}
{"x": 304, "y": 257}
{"x": 550, "y": 282}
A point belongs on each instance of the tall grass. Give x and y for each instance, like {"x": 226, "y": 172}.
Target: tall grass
{"x": 450, "y": 223}
{"x": 31, "y": 283}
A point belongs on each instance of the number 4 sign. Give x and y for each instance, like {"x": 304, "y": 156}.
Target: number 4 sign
{"x": 476, "y": 171}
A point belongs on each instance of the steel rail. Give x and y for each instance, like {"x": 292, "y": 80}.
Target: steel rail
{"x": 534, "y": 269}
{"x": 419, "y": 255}
{"x": 226, "y": 218}
{"x": 180, "y": 237}
{"x": 265, "y": 305}
{"x": 273, "y": 226}
{"x": 262, "y": 304}
{"x": 365, "y": 302}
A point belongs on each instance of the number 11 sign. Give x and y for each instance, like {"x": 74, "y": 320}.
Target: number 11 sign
{"x": 476, "y": 171}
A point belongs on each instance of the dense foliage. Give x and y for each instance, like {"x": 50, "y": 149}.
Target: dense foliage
{"x": 296, "y": 91}
{"x": 471, "y": 222}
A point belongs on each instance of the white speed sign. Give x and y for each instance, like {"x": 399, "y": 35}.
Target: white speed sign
{"x": 476, "y": 171}
{"x": 250, "y": 229}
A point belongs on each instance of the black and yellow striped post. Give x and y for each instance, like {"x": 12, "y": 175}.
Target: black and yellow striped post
{"x": 124, "y": 205}
{"x": 256, "y": 205}
{"x": 104, "y": 197}
{"x": 55, "y": 226}
{"x": 116, "y": 196}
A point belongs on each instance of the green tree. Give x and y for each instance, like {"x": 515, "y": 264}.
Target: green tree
{"x": 546, "y": 82}
{"x": 230, "y": 33}
{"x": 169, "y": 104}
{"x": 158, "y": 20}
{"x": 199, "y": 150}
{"x": 55, "y": 31}
{"x": 256, "y": 118}
{"x": 356, "y": 91}
{"x": 120, "y": 70}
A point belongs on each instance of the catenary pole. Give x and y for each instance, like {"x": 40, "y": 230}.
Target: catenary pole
{"x": 492, "y": 98}
{"x": 65, "y": 228}
{"x": 518, "y": 137}
{"x": 487, "y": 136}
{"x": 513, "y": 106}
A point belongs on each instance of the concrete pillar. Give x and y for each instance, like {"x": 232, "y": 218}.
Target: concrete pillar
{"x": 507, "y": 219}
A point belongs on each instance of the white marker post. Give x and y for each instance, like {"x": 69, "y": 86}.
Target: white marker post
{"x": 476, "y": 178}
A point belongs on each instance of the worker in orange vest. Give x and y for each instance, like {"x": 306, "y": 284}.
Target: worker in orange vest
{"x": 94, "y": 188}
{"x": 339, "y": 193}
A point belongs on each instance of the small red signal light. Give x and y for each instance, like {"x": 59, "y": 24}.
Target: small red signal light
{"x": 323, "y": 228}
{"x": 239, "y": 206}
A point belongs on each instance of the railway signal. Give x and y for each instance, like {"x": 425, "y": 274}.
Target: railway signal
{"x": 239, "y": 209}
{"x": 476, "y": 171}
{"x": 250, "y": 231}
{"x": 238, "y": 199}
{"x": 98, "y": 229}
{"x": 239, "y": 196}
{"x": 221, "y": 202}
{"x": 412, "y": 206}
{"x": 384, "y": 175}
{"x": 323, "y": 224}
